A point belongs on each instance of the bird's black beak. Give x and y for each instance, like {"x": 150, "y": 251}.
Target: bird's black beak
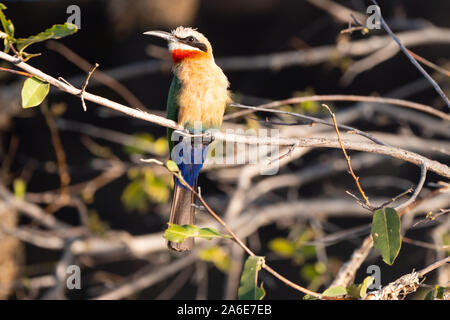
{"x": 162, "y": 34}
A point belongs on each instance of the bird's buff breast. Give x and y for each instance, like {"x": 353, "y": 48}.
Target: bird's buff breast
{"x": 203, "y": 96}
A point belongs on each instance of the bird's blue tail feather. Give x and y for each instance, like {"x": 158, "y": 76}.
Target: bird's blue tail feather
{"x": 190, "y": 161}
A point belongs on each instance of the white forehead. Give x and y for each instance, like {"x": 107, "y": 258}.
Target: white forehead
{"x": 183, "y": 32}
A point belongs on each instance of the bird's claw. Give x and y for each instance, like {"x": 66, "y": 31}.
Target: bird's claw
{"x": 207, "y": 138}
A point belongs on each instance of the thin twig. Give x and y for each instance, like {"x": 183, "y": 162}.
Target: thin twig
{"x": 423, "y": 244}
{"x": 100, "y": 76}
{"x": 340, "y": 97}
{"x": 350, "y": 169}
{"x": 83, "y": 90}
{"x": 411, "y": 58}
{"x": 20, "y": 73}
{"x": 385, "y": 204}
{"x": 313, "y": 120}
{"x": 429, "y": 64}
{"x": 430, "y": 217}
{"x": 412, "y": 199}
{"x": 433, "y": 266}
{"x": 359, "y": 26}
{"x": 61, "y": 158}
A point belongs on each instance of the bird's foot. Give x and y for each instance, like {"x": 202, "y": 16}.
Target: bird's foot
{"x": 207, "y": 138}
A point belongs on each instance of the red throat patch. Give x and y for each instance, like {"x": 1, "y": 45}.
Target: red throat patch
{"x": 179, "y": 54}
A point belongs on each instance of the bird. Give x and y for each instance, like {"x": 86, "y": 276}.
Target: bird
{"x": 197, "y": 99}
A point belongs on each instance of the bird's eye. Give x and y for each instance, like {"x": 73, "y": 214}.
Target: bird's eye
{"x": 191, "y": 39}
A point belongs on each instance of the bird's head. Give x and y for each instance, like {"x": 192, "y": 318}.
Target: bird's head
{"x": 185, "y": 43}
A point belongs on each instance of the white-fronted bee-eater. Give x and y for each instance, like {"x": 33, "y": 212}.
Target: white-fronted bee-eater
{"x": 197, "y": 99}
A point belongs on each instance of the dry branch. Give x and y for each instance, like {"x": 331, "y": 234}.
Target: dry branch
{"x": 434, "y": 166}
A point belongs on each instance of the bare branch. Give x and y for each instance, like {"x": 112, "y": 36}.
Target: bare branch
{"x": 413, "y": 61}
{"x": 354, "y": 98}
{"x": 434, "y": 166}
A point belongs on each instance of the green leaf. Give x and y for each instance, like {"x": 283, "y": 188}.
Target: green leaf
{"x": 172, "y": 166}
{"x": 95, "y": 224}
{"x": 134, "y": 197}
{"x": 145, "y": 142}
{"x": 176, "y": 233}
{"x": 335, "y": 291}
{"x": 365, "y": 285}
{"x": 145, "y": 187}
{"x": 57, "y": 31}
{"x": 156, "y": 188}
{"x": 309, "y": 272}
{"x": 249, "y": 289}
{"x": 218, "y": 256}
{"x": 360, "y": 290}
{"x": 161, "y": 146}
{"x": 210, "y": 233}
{"x": 440, "y": 292}
{"x": 282, "y": 247}
{"x": 34, "y": 92}
{"x": 386, "y": 233}
{"x": 429, "y": 295}
{"x": 7, "y": 24}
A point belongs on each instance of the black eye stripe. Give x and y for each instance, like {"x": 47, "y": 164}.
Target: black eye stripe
{"x": 188, "y": 39}
{"x": 193, "y": 42}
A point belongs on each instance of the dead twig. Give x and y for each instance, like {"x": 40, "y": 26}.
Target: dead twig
{"x": 385, "y": 204}
{"x": 59, "y": 150}
{"x": 350, "y": 169}
{"x": 412, "y": 199}
{"x": 411, "y": 58}
{"x": 100, "y": 76}
{"x": 20, "y": 73}
{"x": 429, "y": 64}
{"x": 430, "y": 217}
{"x": 313, "y": 120}
{"x": 338, "y": 97}
{"x": 83, "y": 90}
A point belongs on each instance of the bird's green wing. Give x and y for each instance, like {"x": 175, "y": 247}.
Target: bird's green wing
{"x": 172, "y": 107}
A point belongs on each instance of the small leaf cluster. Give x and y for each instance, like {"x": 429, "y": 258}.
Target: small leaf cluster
{"x": 218, "y": 256}
{"x": 18, "y": 45}
{"x": 355, "y": 291}
{"x": 145, "y": 187}
{"x": 34, "y": 90}
{"x": 438, "y": 293}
